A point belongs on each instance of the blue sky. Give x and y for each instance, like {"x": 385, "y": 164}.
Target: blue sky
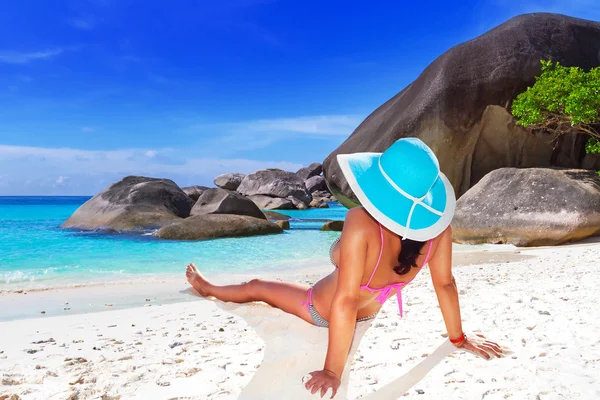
{"x": 92, "y": 90}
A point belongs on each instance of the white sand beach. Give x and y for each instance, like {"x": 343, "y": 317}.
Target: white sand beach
{"x": 540, "y": 303}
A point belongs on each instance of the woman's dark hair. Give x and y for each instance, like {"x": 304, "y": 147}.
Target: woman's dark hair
{"x": 411, "y": 249}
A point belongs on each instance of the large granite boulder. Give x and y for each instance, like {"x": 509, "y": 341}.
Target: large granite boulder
{"x": 221, "y": 201}
{"x": 271, "y": 203}
{"x": 229, "y": 181}
{"x": 194, "y": 191}
{"x": 316, "y": 183}
{"x": 460, "y": 104}
{"x": 134, "y": 203}
{"x": 212, "y": 226}
{"x": 275, "y": 183}
{"x": 529, "y": 207}
{"x": 313, "y": 169}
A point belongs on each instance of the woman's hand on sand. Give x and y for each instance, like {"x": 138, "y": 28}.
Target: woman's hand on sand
{"x": 479, "y": 345}
{"x": 323, "y": 380}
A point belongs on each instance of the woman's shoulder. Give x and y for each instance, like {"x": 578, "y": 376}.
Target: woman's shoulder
{"x": 359, "y": 220}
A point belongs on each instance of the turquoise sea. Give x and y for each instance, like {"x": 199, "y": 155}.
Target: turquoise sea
{"x": 36, "y": 252}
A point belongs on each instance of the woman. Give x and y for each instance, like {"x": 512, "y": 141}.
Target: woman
{"x": 403, "y": 224}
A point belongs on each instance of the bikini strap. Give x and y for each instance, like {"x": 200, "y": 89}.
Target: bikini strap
{"x": 380, "y": 253}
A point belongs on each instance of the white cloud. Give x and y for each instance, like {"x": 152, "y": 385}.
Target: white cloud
{"x": 34, "y": 170}
{"x": 244, "y": 136}
{"x": 13, "y": 57}
{"x": 318, "y": 125}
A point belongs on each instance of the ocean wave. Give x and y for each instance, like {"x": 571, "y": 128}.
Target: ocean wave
{"x": 55, "y": 274}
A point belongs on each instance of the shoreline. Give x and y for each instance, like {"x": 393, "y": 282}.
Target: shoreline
{"x": 82, "y": 298}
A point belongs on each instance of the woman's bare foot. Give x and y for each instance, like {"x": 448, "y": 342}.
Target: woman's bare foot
{"x": 196, "y": 279}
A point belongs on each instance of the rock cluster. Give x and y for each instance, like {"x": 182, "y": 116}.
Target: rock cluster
{"x": 139, "y": 203}
{"x": 275, "y": 189}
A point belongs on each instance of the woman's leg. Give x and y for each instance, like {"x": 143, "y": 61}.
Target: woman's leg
{"x": 283, "y": 295}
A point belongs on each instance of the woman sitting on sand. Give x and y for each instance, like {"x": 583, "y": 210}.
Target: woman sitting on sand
{"x": 403, "y": 224}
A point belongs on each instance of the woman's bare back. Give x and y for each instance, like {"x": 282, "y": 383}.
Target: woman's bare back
{"x": 324, "y": 290}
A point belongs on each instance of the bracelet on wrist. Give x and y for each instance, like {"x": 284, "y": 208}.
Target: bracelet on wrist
{"x": 459, "y": 341}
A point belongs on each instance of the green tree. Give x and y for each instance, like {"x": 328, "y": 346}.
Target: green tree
{"x": 562, "y": 100}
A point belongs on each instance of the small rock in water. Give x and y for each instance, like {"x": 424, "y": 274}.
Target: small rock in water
{"x": 221, "y": 330}
{"x": 173, "y": 345}
{"x": 42, "y": 312}
{"x": 420, "y": 391}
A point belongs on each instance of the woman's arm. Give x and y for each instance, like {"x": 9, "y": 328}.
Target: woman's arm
{"x": 344, "y": 306}
{"x": 444, "y": 284}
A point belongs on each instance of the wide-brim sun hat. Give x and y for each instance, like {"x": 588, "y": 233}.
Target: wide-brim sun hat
{"x": 402, "y": 188}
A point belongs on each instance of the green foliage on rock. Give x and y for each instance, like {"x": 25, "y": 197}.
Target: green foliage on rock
{"x": 562, "y": 100}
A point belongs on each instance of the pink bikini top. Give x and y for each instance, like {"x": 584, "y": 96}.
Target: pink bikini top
{"x": 386, "y": 292}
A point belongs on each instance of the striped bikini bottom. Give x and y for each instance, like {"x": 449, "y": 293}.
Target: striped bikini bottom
{"x": 317, "y": 319}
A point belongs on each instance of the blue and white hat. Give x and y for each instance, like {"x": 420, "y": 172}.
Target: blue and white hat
{"x": 402, "y": 188}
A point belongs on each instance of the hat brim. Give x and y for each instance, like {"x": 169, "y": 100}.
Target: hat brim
{"x": 390, "y": 207}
